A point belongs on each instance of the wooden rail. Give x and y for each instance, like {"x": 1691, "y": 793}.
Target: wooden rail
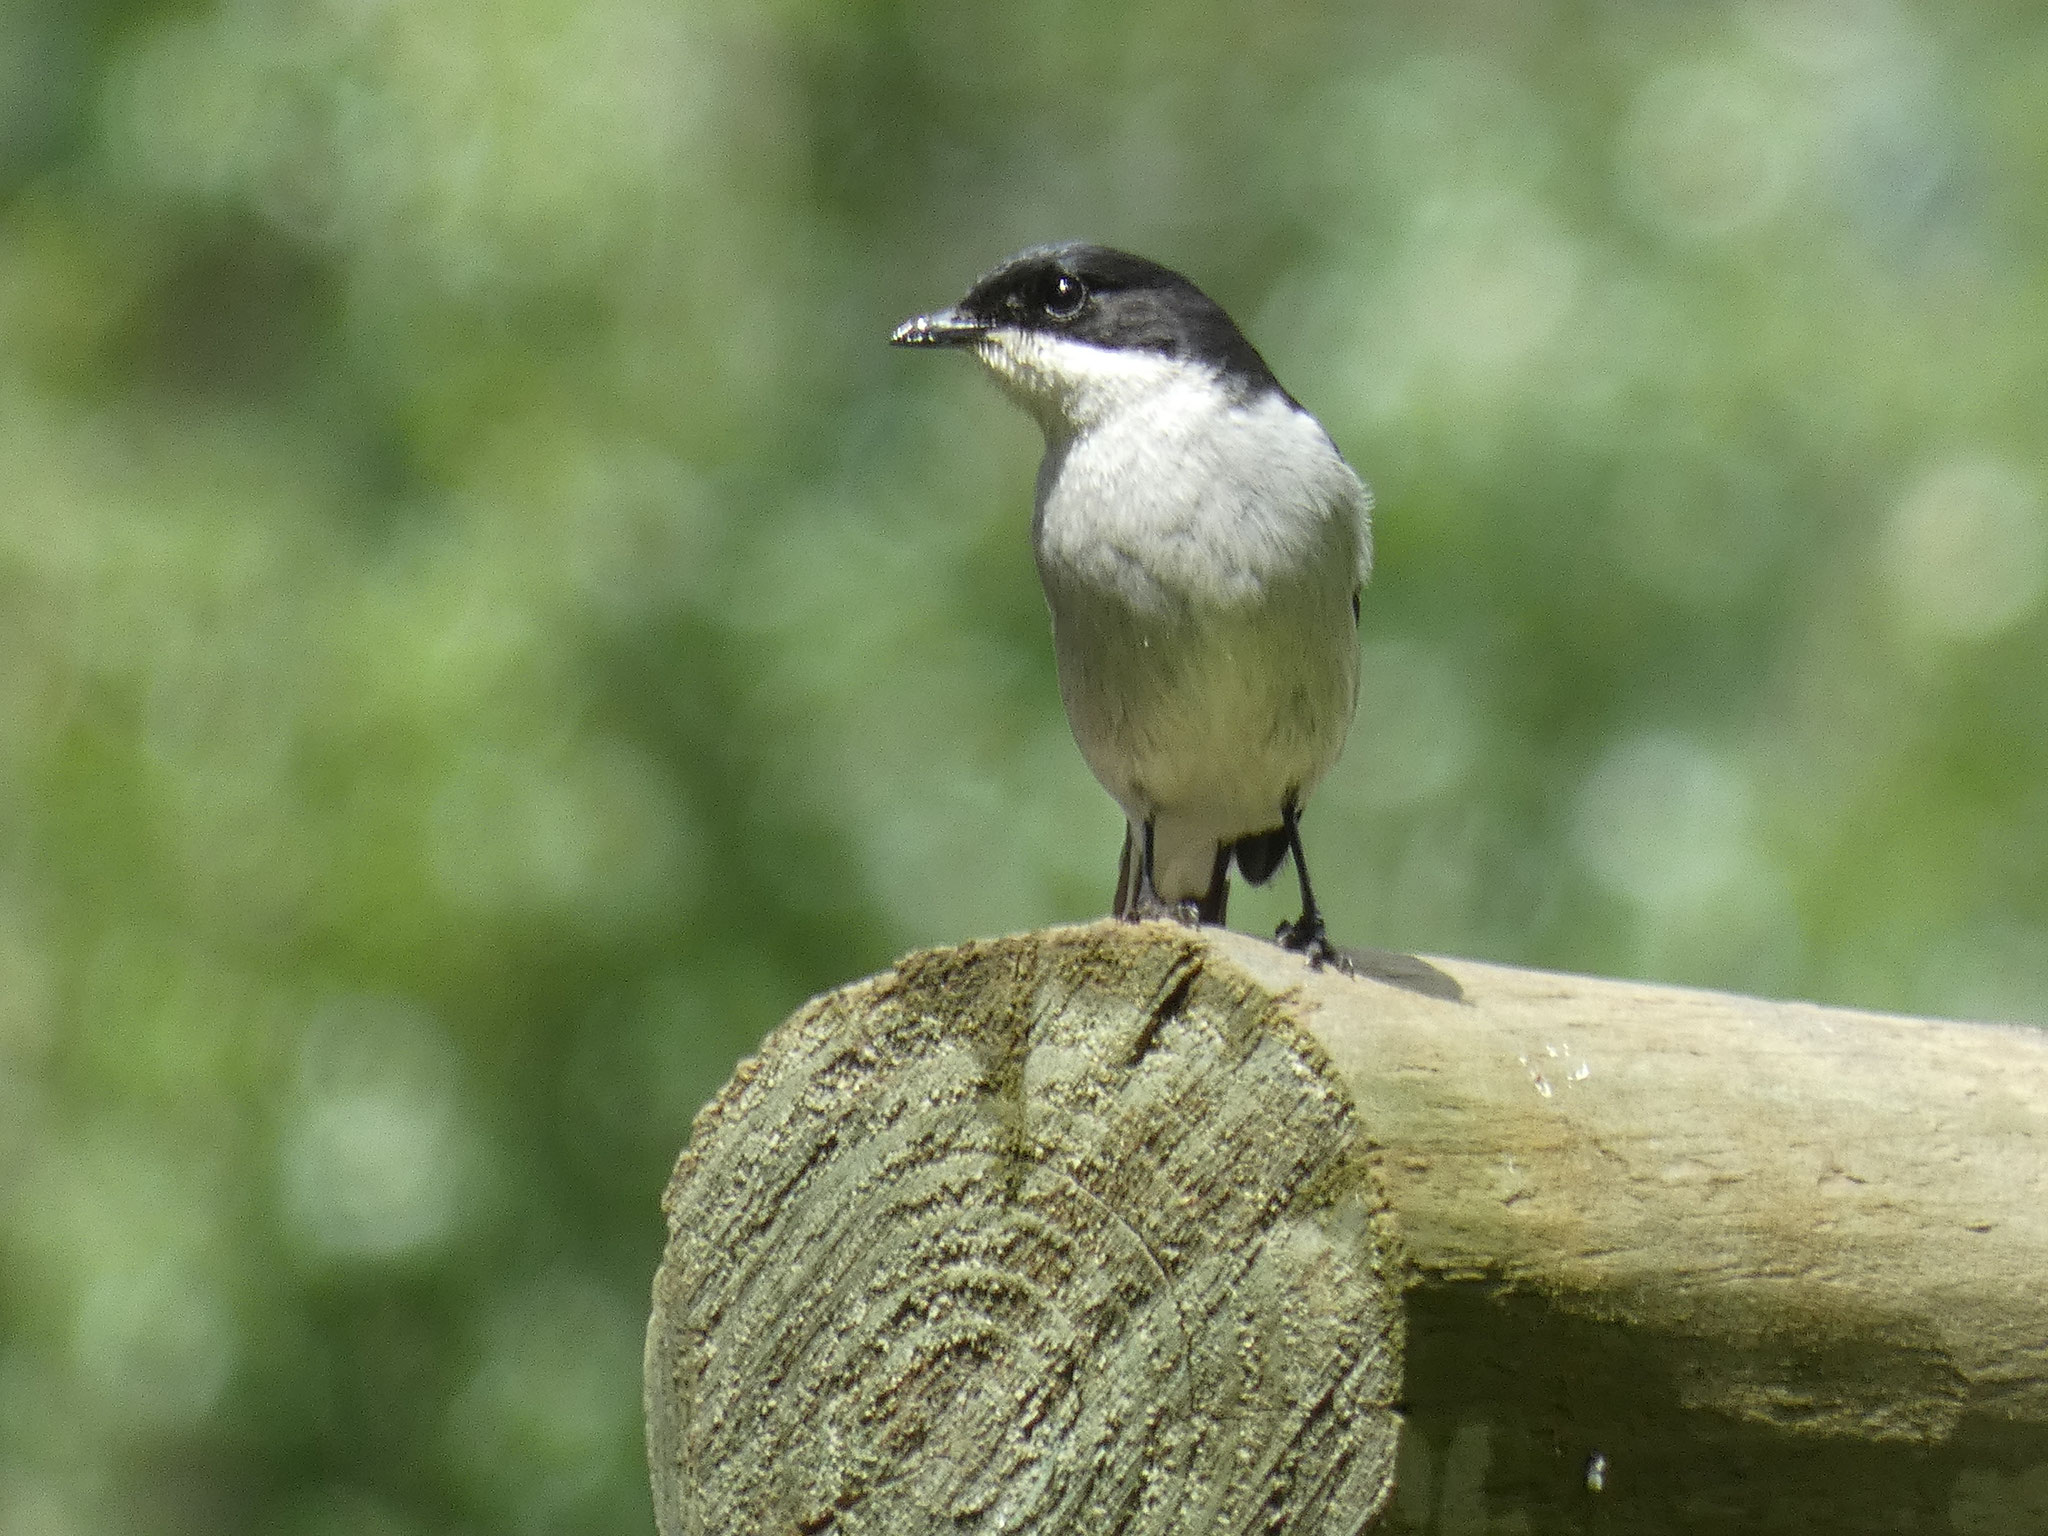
{"x": 1130, "y": 1228}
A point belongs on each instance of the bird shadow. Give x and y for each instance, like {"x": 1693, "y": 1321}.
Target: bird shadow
{"x": 1409, "y": 972}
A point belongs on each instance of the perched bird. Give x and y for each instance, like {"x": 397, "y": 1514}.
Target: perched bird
{"x": 1202, "y": 545}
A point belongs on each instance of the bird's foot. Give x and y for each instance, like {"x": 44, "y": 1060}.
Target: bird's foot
{"x": 1306, "y": 937}
{"x": 1151, "y": 909}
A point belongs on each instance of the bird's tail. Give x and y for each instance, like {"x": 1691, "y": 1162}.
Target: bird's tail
{"x": 1260, "y": 854}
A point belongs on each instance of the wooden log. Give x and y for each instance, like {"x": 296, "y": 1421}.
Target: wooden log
{"x": 1750, "y": 1266}
{"x": 1121, "y": 1228}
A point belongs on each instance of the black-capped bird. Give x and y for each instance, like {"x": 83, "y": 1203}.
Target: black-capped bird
{"x": 1202, "y": 545}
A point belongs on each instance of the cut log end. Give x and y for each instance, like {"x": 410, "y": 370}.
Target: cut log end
{"x": 1040, "y": 1234}
{"x": 1089, "y": 1230}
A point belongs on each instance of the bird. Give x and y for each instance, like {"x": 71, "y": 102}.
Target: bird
{"x": 1202, "y": 545}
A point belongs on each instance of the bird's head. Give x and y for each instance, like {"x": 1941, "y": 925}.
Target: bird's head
{"x": 1072, "y": 332}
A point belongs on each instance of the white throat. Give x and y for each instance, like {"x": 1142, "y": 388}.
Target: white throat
{"x": 1069, "y": 386}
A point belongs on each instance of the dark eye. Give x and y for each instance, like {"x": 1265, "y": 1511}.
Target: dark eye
{"x": 1064, "y": 296}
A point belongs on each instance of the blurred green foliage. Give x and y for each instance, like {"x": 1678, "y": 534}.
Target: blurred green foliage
{"x": 486, "y": 627}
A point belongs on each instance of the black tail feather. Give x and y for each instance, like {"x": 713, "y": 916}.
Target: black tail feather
{"x": 1260, "y": 854}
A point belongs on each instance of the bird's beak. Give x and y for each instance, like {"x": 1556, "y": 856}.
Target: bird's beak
{"x": 942, "y": 328}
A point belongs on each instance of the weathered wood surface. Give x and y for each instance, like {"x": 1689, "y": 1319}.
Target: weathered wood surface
{"x": 1094, "y": 1229}
{"x": 1042, "y": 1235}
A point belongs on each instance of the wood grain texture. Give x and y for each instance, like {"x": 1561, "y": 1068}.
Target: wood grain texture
{"x": 1126, "y": 1228}
{"x": 1847, "y": 1211}
{"x": 1044, "y": 1234}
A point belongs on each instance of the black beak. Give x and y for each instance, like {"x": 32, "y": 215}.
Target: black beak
{"x": 942, "y": 328}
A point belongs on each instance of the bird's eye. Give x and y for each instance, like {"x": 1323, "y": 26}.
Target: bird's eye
{"x": 1065, "y": 296}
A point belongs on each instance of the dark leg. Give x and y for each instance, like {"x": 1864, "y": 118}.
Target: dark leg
{"x": 1138, "y": 890}
{"x": 1216, "y": 902}
{"x": 1126, "y": 878}
{"x": 1305, "y": 933}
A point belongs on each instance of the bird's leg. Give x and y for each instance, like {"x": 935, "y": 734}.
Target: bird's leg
{"x": 1212, "y": 907}
{"x": 1127, "y": 878}
{"x": 1138, "y": 897}
{"x": 1305, "y": 933}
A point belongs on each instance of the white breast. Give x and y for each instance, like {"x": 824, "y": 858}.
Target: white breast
{"x": 1200, "y": 556}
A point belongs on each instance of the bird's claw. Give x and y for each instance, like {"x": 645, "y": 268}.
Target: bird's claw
{"x": 1151, "y": 909}
{"x": 1307, "y": 938}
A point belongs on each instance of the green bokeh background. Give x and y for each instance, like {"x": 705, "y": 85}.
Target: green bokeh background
{"x": 486, "y": 627}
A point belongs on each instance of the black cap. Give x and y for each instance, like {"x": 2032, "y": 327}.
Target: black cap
{"x": 1094, "y": 294}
